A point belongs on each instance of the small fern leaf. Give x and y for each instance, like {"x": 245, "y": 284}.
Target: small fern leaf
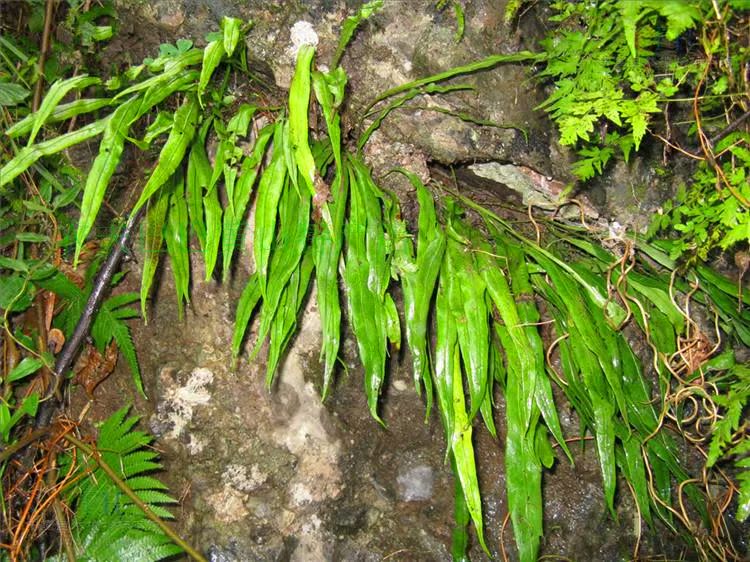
{"x": 121, "y": 333}
{"x": 111, "y": 429}
{"x": 139, "y": 462}
{"x": 123, "y": 299}
{"x": 146, "y": 483}
{"x": 152, "y": 497}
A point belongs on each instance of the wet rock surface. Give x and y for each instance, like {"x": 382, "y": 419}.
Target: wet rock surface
{"x": 277, "y": 475}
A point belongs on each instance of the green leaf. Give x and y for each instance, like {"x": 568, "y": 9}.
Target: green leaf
{"x": 419, "y": 280}
{"x": 15, "y": 293}
{"x": 230, "y": 28}
{"x": 299, "y": 99}
{"x": 166, "y": 82}
{"x": 12, "y": 94}
{"x": 27, "y": 156}
{"x": 61, "y": 113}
{"x": 106, "y": 524}
{"x": 269, "y": 191}
{"x": 33, "y": 237}
{"x": 291, "y": 243}
{"x": 14, "y": 264}
{"x": 176, "y": 235}
{"x": 629, "y": 11}
{"x": 289, "y": 309}
{"x": 327, "y": 246}
{"x": 245, "y": 307}
{"x": 27, "y": 366}
{"x": 197, "y": 180}
{"x": 212, "y": 57}
{"x": 121, "y": 334}
{"x": 466, "y": 289}
{"x": 351, "y": 24}
{"x": 57, "y": 92}
{"x": 171, "y": 155}
{"x": 477, "y": 66}
{"x": 366, "y": 277}
{"x": 213, "y": 212}
{"x": 105, "y": 164}
{"x": 463, "y": 452}
{"x": 240, "y": 196}
{"x": 461, "y": 516}
{"x": 155, "y": 217}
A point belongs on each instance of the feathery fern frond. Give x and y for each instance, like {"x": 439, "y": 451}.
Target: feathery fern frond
{"x": 107, "y": 524}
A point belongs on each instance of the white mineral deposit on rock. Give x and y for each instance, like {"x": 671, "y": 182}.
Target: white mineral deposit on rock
{"x": 415, "y": 483}
{"x": 242, "y": 479}
{"x": 176, "y": 409}
{"x": 302, "y": 33}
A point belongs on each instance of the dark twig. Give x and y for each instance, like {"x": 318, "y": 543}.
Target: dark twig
{"x": 72, "y": 345}
{"x": 726, "y": 131}
{"x": 730, "y": 128}
{"x": 48, "y": 15}
{"x": 11, "y": 450}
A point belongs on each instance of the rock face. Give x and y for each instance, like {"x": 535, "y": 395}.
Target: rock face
{"x": 277, "y": 475}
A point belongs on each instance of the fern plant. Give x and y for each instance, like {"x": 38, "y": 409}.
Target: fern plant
{"x": 605, "y": 87}
{"x": 320, "y": 214}
{"x": 109, "y": 322}
{"x": 107, "y": 523}
{"x": 730, "y": 441}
